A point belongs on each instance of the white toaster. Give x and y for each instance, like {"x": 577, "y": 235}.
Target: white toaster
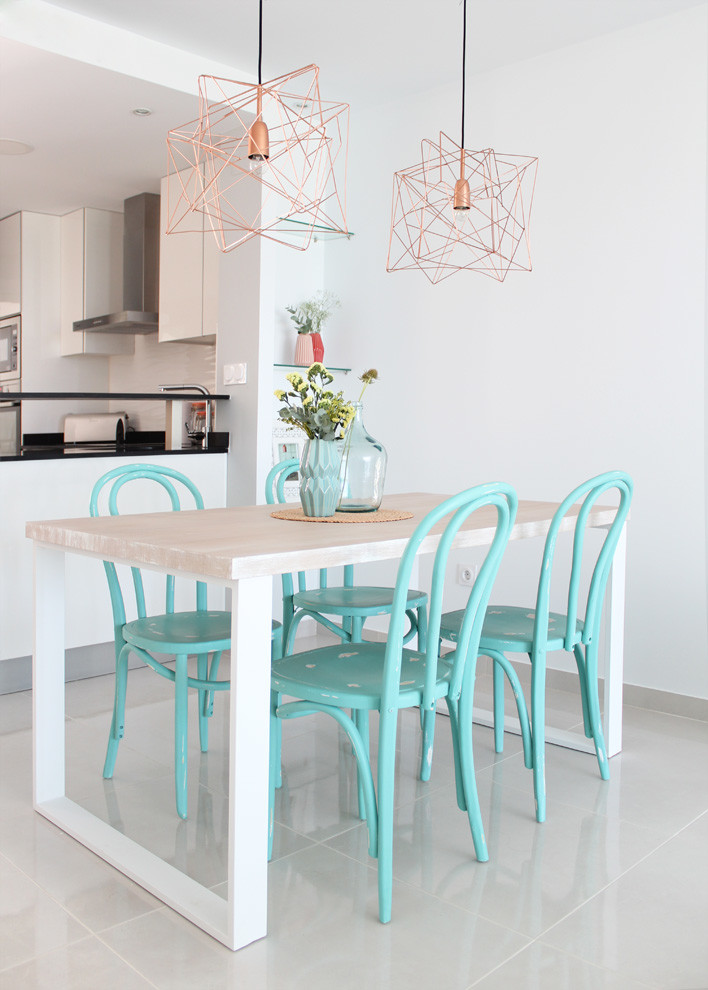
{"x": 88, "y": 427}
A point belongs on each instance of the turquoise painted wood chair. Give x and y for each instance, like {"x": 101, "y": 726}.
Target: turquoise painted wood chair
{"x": 351, "y": 604}
{"x": 513, "y": 629}
{"x": 203, "y": 632}
{"x": 387, "y": 677}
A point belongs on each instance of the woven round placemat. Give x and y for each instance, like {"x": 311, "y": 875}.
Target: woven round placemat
{"x": 380, "y": 515}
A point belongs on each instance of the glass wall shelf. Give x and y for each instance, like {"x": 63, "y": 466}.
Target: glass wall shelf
{"x": 299, "y": 367}
{"x": 298, "y": 229}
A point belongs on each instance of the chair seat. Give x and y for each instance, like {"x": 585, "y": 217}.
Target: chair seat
{"x": 349, "y": 675}
{"x": 510, "y": 627}
{"x": 361, "y": 600}
{"x": 181, "y": 632}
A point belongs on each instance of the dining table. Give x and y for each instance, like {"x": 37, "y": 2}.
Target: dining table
{"x": 244, "y": 548}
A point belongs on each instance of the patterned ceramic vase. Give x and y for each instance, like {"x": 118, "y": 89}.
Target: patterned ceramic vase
{"x": 363, "y": 468}
{"x": 304, "y": 351}
{"x": 319, "y": 476}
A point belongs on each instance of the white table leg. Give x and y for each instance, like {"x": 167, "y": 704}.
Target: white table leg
{"x": 243, "y": 918}
{"x": 48, "y": 675}
{"x": 248, "y": 760}
{"x": 614, "y": 648}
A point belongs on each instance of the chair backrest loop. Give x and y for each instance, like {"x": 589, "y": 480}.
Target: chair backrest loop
{"x": 498, "y": 497}
{"x": 275, "y": 493}
{"x": 106, "y": 490}
{"x": 585, "y": 496}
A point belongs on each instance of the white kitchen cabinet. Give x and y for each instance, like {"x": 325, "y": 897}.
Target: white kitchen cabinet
{"x": 189, "y": 276}
{"x": 92, "y": 280}
{"x": 10, "y": 265}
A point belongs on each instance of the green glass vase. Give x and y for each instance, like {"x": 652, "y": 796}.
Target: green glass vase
{"x": 363, "y": 468}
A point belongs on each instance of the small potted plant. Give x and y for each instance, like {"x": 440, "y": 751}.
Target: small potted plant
{"x": 323, "y": 416}
{"x": 309, "y": 318}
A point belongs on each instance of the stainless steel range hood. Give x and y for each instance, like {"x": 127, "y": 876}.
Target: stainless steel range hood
{"x": 141, "y": 271}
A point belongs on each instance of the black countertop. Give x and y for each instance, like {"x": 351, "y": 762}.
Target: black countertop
{"x": 51, "y": 446}
{"x": 185, "y": 396}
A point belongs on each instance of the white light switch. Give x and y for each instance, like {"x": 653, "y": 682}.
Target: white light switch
{"x": 235, "y": 374}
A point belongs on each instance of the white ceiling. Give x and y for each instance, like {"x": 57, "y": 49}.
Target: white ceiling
{"x": 92, "y": 151}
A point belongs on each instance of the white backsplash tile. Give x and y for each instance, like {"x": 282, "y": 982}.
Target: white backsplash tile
{"x": 155, "y": 364}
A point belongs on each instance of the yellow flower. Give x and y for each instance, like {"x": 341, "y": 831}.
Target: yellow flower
{"x": 280, "y": 394}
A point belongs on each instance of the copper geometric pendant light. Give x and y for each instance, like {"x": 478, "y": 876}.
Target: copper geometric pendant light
{"x": 279, "y": 133}
{"x": 459, "y": 210}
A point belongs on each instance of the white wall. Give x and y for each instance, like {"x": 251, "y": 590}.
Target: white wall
{"x": 593, "y": 361}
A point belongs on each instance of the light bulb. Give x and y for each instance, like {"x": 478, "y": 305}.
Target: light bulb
{"x": 258, "y": 144}
{"x": 459, "y": 215}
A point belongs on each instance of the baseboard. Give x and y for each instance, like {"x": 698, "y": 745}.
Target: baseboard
{"x": 82, "y": 661}
{"x": 637, "y": 696}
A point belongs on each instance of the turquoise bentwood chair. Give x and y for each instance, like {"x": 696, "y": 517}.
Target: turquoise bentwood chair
{"x": 204, "y": 632}
{"x": 386, "y": 677}
{"x": 513, "y": 629}
{"x": 353, "y": 604}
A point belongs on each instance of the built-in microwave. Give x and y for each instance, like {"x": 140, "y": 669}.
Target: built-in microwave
{"x": 10, "y": 349}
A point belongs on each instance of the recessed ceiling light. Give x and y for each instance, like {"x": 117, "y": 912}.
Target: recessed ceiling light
{"x": 142, "y": 111}
{"x": 8, "y": 147}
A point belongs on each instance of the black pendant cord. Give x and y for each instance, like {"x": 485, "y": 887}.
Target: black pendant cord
{"x": 260, "y": 40}
{"x": 464, "y": 53}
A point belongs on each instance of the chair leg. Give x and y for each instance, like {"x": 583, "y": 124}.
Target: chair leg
{"x": 583, "y": 678}
{"x": 118, "y": 720}
{"x": 204, "y": 702}
{"x": 276, "y": 743}
{"x": 427, "y": 719}
{"x": 361, "y": 721}
{"x": 503, "y": 664}
{"x": 181, "y": 734}
{"x": 274, "y": 769}
{"x": 422, "y": 613}
{"x": 594, "y": 710}
{"x": 538, "y": 733}
{"x": 498, "y": 687}
{"x": 360, "y": 718}
{"x": 469, "y": 783}
{"x": 386, "y": 768}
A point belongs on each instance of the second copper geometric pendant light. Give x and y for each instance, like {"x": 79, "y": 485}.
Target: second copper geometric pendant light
{"x": 460, "y": 210}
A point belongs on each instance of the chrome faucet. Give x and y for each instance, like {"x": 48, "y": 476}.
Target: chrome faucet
{"x": 194, "y": 388}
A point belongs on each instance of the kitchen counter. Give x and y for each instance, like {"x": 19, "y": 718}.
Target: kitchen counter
{"x": 156, "y": 396}
{"x": 51, "y": 446}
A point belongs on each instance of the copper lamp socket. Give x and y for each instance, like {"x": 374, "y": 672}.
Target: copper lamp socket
{"x": 258, "y": 145}
{"x": 461, "y": 199}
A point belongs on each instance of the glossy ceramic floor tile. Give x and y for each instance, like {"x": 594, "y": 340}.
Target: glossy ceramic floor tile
{"x": 606, "y": 894}
{"x": 651, "y": 923}
{"x": 31, "y": 922}
{"x": 536, "y": 874}
{"x": 85, "y": 965}
{"x": 659, "y": 751}
{"x": 90, "y": 890}
{"x": 324, "y": 932}
{"x": 540, "y": 967}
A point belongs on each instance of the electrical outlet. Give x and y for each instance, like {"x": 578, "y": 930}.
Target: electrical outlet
{"x": 466, "y": 574}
